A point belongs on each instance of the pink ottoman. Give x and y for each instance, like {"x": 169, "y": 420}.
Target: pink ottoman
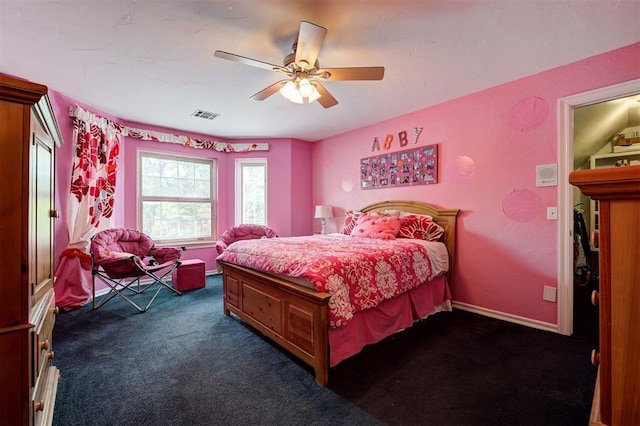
{"x": 189, "y": 275}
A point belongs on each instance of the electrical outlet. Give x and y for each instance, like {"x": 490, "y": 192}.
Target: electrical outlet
{"x": 552, "y": 213}
{"x": 549, "y": 294}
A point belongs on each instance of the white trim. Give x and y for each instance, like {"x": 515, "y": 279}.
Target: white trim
{"x": 239, "y": 186}
{"x": 565, "y": 190}
{"x": 213, "y": 196}
{"x": 540, "y": 325}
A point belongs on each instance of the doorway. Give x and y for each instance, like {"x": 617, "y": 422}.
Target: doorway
{"x": 566, "y": 107}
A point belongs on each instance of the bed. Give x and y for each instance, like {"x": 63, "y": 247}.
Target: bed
{"x": 302, "y": 317}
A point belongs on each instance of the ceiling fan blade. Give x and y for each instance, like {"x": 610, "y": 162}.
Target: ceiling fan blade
{"x": 310, "y": 39}
{"x": 355, "y": 73}
{"x": 325, "y": 99}
{"x": 265, "y": 93}
{"x": 248, "y": 61}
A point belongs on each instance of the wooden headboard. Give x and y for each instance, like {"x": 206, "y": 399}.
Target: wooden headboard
{"x": 443, "y": 217}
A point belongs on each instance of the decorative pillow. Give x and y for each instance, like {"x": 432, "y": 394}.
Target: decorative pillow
{"x": 382, "y": 227}
{"x": 420, "y": 227}
{"x": 350, "y": 221}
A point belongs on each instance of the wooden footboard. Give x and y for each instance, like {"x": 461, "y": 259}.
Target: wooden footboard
{"x": 291, "y": 315}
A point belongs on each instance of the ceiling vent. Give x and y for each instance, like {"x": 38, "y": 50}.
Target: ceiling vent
{"x": 207, "y": 115}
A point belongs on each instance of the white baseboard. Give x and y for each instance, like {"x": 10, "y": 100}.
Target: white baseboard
{"x": 541, "y": 325}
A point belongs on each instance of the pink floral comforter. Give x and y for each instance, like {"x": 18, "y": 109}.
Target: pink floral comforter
{"x": 358, "y": 272}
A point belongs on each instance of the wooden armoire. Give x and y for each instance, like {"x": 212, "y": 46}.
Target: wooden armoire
{"x": 617, "y": 190}
{"x": 29, "y": 135}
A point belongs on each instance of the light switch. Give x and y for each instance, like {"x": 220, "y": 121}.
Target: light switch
{"x": 552, "y": 213}
{"x": 549, "y": 294}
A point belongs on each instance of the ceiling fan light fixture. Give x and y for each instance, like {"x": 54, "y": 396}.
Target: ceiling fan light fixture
{"x": 299, "y": 89}
{"x": 305, "y": 88}
{"x": 297, "y": 98}
{"x": 288, "y": 90}
{"x": 315, "y": 95}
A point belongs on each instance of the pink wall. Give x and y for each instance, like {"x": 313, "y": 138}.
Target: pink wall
{"x": 288, "y": 168}
{"x": 489, "y": 145}
{"x": 301, "y": 156}
{"x": 289, "y": 180}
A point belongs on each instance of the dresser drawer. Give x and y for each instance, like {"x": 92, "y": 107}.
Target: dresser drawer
{"x": 44, "y": 397}
{"x": 43, "y": 316}
{"x": 44, "y": 375}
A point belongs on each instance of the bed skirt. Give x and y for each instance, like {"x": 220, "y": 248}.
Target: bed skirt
{"x": 392, "y": 315}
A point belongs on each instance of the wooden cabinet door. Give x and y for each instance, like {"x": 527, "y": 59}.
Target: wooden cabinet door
{"x": 42, "y": 210}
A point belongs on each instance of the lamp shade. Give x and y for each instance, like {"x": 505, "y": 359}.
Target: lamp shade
{"x": 323, "y": 211}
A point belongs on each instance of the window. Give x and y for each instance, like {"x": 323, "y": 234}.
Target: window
{"x": 251, "y": 191}
{"x": 177, "y": 198}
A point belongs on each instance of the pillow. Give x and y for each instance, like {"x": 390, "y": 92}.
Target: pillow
{"x": 401, "y": 214}
{"x": 388, "y": 213}
{"x": 381, "y": 227}
{"x": 350, "y": 221}
{"x": 420, "y": 227}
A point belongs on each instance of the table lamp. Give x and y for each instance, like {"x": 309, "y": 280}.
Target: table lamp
{"x": 323, "y": 212}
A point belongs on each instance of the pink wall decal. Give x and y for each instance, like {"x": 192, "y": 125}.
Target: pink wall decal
{"x": 521, "y": 205}
{"x": 528, "y": 114}
{"x": 349, "y": 183}
{"x": 460, "y": 169}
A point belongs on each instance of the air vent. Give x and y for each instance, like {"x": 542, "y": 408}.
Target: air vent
{"x": 207, "y": 115}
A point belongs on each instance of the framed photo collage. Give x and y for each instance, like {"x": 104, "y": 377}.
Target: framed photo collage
{"x": 416, "y": 166}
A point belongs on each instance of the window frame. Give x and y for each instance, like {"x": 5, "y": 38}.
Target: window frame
{"x": 185, "y": 242}
{"x": 239, "y": 164}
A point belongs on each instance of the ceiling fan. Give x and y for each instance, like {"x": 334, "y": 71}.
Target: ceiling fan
{"x": 303, "y": 70}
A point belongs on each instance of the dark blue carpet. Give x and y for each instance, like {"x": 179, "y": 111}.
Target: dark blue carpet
{"x": 185, "y": 363}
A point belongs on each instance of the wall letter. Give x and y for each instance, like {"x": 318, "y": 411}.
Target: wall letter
{"x": 403, "y": 138}
{"x": 387, "y": 142}
{"x": 376, "y": 145}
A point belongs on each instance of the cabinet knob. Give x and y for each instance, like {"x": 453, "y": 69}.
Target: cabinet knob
{"x": 595, "y": 357}
{"x": 51, "y": 355}
{"x": 54, "y": 213}
{"x": 44, "y": 345}
{"x": 595, "y": 298}
{"x": 38, "y": 406}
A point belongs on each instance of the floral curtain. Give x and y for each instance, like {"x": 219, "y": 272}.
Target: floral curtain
{"x": 93, "y": 183}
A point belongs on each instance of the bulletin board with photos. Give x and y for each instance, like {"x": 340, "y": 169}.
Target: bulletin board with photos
{"x": 416, "y": 166}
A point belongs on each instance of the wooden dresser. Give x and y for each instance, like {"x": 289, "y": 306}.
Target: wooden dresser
{"x": 29, "y": 135}
{"x": 617, "y": 394}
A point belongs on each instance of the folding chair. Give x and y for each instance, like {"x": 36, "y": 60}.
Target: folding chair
{"x": 123, "y": 257}
{"x": 246, "y": 231}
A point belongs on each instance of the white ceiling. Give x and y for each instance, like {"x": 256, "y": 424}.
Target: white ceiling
{"x": 151, "y": 61}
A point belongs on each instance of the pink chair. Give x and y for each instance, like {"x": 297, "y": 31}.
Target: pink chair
{"x": 122, "y": 257}
{"x": 243, "y": 232}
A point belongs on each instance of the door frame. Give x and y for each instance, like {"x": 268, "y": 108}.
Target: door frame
{"x": 566, "y": 106}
